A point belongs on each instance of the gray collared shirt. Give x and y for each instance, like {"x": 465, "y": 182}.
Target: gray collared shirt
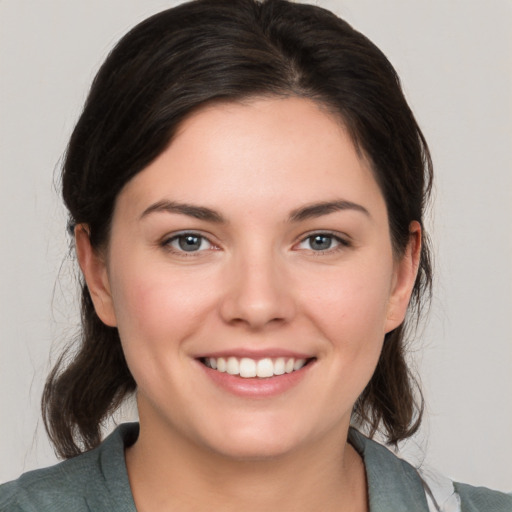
{"x": 97, "y": 481}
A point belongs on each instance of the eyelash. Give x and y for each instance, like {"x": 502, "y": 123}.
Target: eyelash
{"x": 342, "y": 243}
{"x": 167, "y": 243}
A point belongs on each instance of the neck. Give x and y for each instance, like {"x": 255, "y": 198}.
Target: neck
{"x": 176, "y": 474}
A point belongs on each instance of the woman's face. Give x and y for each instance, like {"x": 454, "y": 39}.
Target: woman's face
{"x": 256, "y": 242}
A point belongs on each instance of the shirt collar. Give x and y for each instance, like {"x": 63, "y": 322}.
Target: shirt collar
{"x": 393, "y": 484}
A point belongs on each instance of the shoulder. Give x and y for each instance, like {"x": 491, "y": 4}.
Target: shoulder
{"x": 97, "y": 476}
{"x": 45, "y": 489}
{"x": 444, "y": 495}
{"x": 476, "y": 499}
{"x": 401, "y": 486}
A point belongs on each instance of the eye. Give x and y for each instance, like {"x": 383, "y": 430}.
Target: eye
{"x": 320, "y": 242}
{"x": 188, "y": 242}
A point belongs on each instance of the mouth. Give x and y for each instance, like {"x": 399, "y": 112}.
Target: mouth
{"x": 264, "y": 368}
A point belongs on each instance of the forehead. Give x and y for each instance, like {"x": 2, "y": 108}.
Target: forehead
{"x": 279, "y": 152}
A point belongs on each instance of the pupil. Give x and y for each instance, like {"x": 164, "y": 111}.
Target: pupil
{"x": 189, "y": 243}
{"x": 321, "y": 242}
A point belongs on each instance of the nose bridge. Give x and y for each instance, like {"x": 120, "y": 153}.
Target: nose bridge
{"x": 257, "y": 292}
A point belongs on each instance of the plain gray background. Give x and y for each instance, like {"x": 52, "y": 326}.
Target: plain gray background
{"x": 455, "y": 61}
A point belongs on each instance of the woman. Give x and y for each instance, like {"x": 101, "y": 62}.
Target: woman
{"x": 246, "y": 188}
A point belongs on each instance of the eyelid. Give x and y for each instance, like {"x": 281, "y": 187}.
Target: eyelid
{"x": 342, "y": 239}
{"x": 166, "y": 240}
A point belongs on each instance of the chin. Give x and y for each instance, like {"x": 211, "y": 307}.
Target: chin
{"x": 254, "y": 448}
{"x": 257, "y": 438}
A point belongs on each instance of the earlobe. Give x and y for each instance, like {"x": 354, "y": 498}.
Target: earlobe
{"x": 404, "y": 279}
{"x": 94, "y": 270}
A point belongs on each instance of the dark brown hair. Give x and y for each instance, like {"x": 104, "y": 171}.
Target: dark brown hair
{"x": 208, "y": 51}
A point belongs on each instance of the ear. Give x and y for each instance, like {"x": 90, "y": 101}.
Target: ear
{"x": 94, "y": 269}
{"x": 404, "y": 278}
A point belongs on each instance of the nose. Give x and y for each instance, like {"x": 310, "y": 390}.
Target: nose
{"x": 259, "y": 293}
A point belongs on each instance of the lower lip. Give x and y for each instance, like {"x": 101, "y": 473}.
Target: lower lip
{"x": 256, "y": 387}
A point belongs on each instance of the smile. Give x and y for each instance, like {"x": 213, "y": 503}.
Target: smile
{"x": 246, "y": 367}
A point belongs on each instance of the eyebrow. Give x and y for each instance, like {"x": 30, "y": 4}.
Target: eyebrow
{"x": 315, "y": 210}
{"x": 197, "y": 212}
{"x": 310, "y": 211}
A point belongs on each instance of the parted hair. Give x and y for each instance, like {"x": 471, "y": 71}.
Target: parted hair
{"x": 179, "y": 61}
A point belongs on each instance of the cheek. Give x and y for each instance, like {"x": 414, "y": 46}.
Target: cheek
{"x": 351, "y": 315}
{"x": 156, "y": 307}
{"x": 352, "y": 303}
{"x": 158, "y": 314}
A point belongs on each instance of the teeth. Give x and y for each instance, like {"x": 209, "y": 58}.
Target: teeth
{"x": 248, "y": 368}
{"x": 221, "y": 364}
{"x": 279, "y": 365}
{"x": 233, "y": 367}
{"x": 299, "y": 364}
{"x": 265, "y": 368}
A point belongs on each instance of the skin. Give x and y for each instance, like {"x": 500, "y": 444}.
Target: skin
{"x": 257, "y": 283}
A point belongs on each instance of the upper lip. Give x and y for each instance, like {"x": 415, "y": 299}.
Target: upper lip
{"x": 272, "y": 353}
